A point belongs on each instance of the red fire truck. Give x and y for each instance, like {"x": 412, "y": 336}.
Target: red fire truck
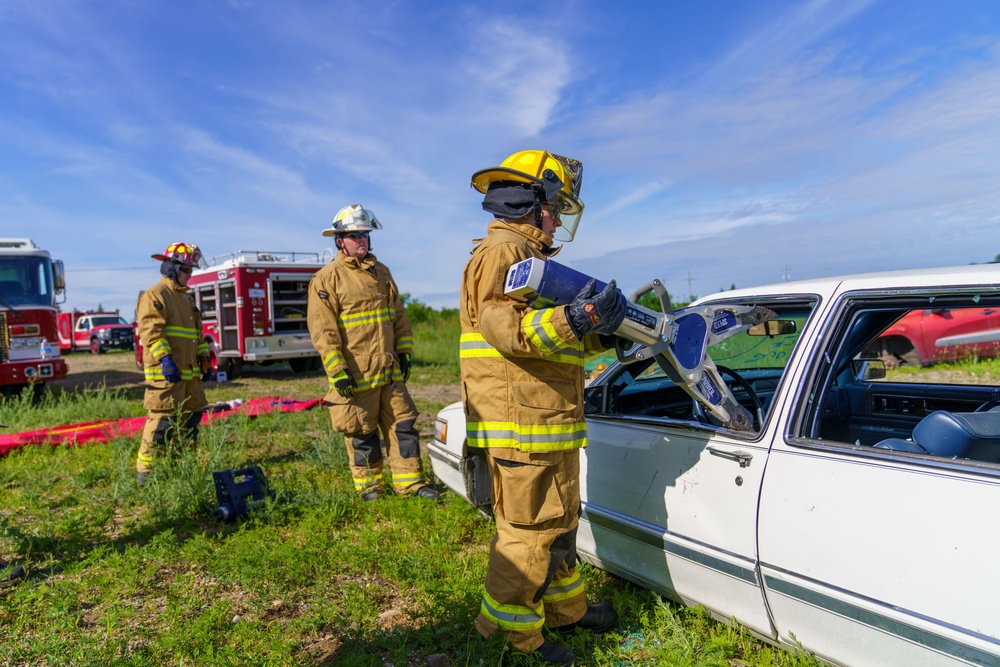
{"x": 29, "y": 283}
{"x": 253, "y": 307}
{"x": 97, "y": 331}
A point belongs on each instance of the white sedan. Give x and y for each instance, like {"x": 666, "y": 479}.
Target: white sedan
{"x": 852, "y": 520}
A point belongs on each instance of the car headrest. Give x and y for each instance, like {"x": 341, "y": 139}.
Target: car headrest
{"x": 956, "y": 434}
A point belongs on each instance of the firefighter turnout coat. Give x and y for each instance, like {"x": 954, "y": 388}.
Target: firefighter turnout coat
{"x": 357, "y": 322}
{"x": 522, "y": 390}
{"x": 170, "y": 323}
{"x": 522, "y": 368}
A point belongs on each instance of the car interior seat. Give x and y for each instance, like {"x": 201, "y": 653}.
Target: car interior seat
{"x": 963, "y": 435}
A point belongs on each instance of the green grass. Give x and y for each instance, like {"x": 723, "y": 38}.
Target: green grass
{"x": 128, "y": 576}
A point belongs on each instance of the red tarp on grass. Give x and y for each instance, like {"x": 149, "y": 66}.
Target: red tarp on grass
{"x": 102, "y": 431}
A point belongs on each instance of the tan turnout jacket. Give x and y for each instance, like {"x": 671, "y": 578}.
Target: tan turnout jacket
{"x": 357, "y": 322}
{"x": 522, "y": 368}
{"x": 170, "y": 323}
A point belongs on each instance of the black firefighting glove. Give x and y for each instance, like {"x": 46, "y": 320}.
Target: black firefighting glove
{"x": 601, "y": 313}
{"x": 404, "y": 366}
{"x": 206, "y": 369}
{"x": 170, "y": 371}
{"x": 344, "y": 384}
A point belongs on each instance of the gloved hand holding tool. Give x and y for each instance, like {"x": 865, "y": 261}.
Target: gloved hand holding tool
{"x": 170, "y": 371}
{"x": 601, "y": 313}
{"x": 344, "y": 384}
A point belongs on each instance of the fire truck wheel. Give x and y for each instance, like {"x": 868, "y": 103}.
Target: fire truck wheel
{"x": 95, "y": 347}
{"x": 304, "y": 364}
{"x": 233, "y": 368}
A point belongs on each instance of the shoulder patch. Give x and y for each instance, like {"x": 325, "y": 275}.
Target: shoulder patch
{"x": 324, "y": 295}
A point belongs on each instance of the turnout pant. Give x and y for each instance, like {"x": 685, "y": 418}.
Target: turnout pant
{"x": 532, "y": 578}
{"x": 166, "y": 424}
{"x": 390, "y": 410}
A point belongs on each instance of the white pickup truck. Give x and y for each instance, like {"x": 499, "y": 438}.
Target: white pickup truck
{"x": 852, "y": 521}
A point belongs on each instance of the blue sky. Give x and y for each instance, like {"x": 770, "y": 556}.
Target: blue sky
{"x": 724, "y": 143}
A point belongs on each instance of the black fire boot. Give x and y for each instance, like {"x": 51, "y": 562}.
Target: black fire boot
{"x": 600, "y": 618}
{"x": 427, "y": 493}
{"x": 555, "y": 654}
{"x": 369, "y": 496}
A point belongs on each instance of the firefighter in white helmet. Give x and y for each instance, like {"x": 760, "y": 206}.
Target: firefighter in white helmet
{"x": 359, "y": 327}
{"x": 174, "y": 357}
{"x": 522, "y": 389}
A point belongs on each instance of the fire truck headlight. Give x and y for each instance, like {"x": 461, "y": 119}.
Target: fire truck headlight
{"x": 25, "y": 342}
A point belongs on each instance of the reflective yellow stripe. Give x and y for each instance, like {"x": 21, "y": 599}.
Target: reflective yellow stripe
{"x": 537, "y": 326}
{"x": 333, "y": 359}
{"x": 563, "y": 589}
{"x": 182, "y": 332}
{"x": 512, "y": 616}
{"x": 473, "y": 345}
{"x": 367, "y": 317}
{"x": 404, "y": 345}
{"x": 362, "y": 483}
{"x": 202, "y": 348}
{"x": 406, "y": 478}
{"x": 527, "y": 437}
{"x": 160, "y": 348}
{"x": 378, "y": 380}
{"x": 155, "y": 373}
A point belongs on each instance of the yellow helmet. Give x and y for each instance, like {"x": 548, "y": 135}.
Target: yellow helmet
{"x": 537, "y": 168}
{"x": 354, "y": 218}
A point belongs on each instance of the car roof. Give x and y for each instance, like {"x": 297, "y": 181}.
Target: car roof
{"x": 949, "y": 276}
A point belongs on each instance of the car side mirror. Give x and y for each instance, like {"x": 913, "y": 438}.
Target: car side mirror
{"x": 772, "y": 328}
{"x": 593, "y": 399}
{"x": 869, "y": 369}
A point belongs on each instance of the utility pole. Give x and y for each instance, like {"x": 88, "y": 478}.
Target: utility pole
{"x": 786, "y": 273}
{"x": 689, "y": 286}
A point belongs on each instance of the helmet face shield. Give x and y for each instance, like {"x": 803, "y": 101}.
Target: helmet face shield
{"x": 568, "y": 223}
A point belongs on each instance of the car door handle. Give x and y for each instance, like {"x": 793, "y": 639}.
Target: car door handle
{"x": 741, "y": 457}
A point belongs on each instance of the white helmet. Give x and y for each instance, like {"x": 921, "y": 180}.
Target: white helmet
{"x": 354, "y": 218}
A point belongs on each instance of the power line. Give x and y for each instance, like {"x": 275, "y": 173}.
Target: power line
{"x": 126, "y": 268}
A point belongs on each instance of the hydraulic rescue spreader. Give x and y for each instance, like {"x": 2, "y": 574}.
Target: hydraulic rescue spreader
{"x": 678, "y": 340}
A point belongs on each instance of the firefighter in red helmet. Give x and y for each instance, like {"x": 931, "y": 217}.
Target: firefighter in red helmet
{"x": 174, "y": 357}
{"x": 359, "y": 327}
{"x": 522, "y": 389}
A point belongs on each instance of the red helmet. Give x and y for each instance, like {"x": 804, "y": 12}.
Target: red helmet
{"x": 187, "y": 254}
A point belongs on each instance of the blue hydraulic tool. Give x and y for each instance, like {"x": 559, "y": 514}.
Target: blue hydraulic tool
{"x": 677, "y": 339}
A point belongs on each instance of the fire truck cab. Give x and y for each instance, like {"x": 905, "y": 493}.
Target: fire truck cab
{"x": 29, "y": 283}
{"x": 253, "y": 307}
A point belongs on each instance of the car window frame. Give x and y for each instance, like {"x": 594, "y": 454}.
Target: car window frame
{"x": 808, "y": 399}
{"x": 811, "y": 301}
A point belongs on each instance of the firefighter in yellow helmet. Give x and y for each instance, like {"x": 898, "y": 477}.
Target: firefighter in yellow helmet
{"x": 522, "y": 388}
{"x": 174, "y": 356}
{"x": 359, "y": 327}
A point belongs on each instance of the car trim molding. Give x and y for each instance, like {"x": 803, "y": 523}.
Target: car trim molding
{"x": 655, "y": 536}
{"x": 884, "y": 623}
